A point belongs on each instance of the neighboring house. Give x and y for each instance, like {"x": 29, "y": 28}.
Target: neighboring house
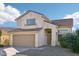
{"x": 34, "y": 30}
{"x": 5, "y": 35}
{"x": 64, "y": 25}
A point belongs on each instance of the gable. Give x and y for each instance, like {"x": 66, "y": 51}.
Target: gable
{"x": 30, "y": 11}
{"x": 30, "y": 15}
{"x": 23, "y": 20}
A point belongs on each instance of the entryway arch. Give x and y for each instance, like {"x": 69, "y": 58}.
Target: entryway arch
{"x": 48, "y": 35}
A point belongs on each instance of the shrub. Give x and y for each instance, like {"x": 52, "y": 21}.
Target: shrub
{"x": 62, "y": 41}
{"x": 76, "y": 43}
{"x": 0, "y": 36}
{"x": 70, "y": 40}
{"x": 6, "y": 42}
{"x": 77, "y": 32}
{"x": 1, "y": 45}
{"x": 0, "y": 33}
{"x": 67, "y": 40}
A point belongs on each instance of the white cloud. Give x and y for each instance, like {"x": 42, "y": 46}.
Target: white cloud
{"x": 12, "y": 11}
{"x": 75, "y": 16}
{"x": 2, "y": 7}
{"x": 8, "y": 13}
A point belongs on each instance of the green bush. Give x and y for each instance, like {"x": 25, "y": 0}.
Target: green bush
{"x": 1, "y": 45}
{"x": 67, "y": 40}
{"x": 76, "y": 43}
{"x": 0, "y": 36}
{"x": 6, "y": 42}
{"x": 77, "y": 32}
{"x": 70, "y": 40}
{"x": 62, "y": 41}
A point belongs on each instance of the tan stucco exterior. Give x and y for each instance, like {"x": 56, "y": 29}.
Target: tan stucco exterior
{"x": 40, "y": 38}
{"x": 54, "y": 31}
{"x": 22, "y": 21}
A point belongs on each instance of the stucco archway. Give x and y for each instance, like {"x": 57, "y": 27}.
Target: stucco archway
{"x": 48, "y": 35}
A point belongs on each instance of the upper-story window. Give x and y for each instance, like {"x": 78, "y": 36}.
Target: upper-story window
{"x": 31, "y": 22}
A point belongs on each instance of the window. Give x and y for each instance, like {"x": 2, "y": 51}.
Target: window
{"x": 63, "y": 30}
{"x": 31, "y": 22}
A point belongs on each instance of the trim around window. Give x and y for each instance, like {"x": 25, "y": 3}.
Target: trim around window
{"x": 30, "y": 22}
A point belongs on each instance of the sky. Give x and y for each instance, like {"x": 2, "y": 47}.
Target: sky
{"x": 10, "y": 11}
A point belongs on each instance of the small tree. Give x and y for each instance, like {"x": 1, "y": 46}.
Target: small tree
{"x": 67, "y": 40}
{"x": 76, "y": 43}
{"x": 6, "y": 42}
{"x": 0, "y": 35}
{"x": 77, "y": 32}
{"x": 70, "y": 40}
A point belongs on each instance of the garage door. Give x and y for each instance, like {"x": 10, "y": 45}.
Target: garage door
{"x": 24, "y": 40}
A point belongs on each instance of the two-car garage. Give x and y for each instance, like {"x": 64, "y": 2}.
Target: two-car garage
{"x": 24, "y": 40}
{"x": 25, "y": 37}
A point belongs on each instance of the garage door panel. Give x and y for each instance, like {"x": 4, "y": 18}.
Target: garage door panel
{"x": 24, "y": 40}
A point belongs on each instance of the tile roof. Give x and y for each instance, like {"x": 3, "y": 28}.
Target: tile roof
{"x": 42, "y": 15}
{"x": 63, "y": 22}
{"x": 20, "y": 29}
{"x": 8, "y": 28}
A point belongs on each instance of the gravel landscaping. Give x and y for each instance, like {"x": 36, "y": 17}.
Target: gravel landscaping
{"x": 48, "y": 51}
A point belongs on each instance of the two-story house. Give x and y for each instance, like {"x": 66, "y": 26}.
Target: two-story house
{"x": 34, "y": 30}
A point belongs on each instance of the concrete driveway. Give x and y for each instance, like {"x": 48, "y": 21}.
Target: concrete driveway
{"x": 1, "y": 50}
{"x": 42, "y": 51}
{"x": 12, "y": 50}
{"x": 47, "y": 51}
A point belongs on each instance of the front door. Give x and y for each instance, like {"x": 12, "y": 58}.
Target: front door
{"x": 48, "y": 36}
